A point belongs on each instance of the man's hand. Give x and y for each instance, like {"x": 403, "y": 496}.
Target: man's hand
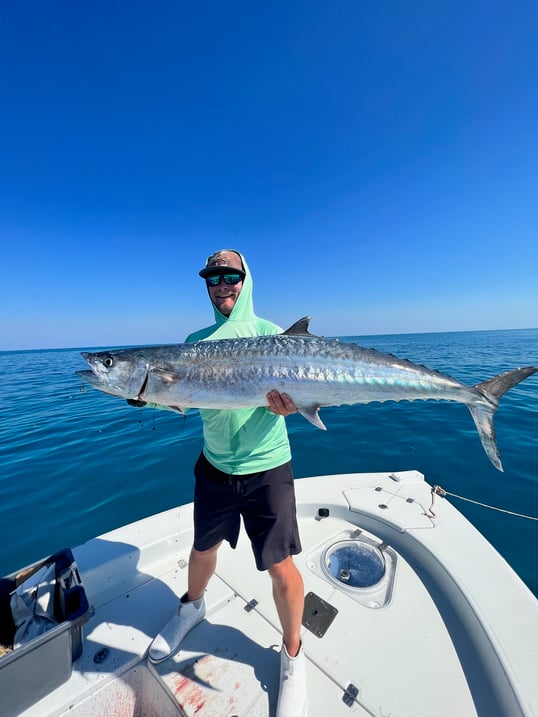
{"x": 280, "y": 403}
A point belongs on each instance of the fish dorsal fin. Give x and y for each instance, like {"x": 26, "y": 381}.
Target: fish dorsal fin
{"x": 300, "y": 328}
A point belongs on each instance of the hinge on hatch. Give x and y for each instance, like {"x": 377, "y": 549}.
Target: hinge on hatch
{"x": 350, "y": 695}
{"x": 250, "y": 605}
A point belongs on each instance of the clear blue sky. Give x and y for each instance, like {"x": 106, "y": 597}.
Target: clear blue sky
{"x": 376, "y": 162}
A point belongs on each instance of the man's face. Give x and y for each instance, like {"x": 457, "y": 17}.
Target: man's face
{"x": 224, "y": 295}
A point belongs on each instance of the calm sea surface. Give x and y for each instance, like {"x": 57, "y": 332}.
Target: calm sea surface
{"x": 76, "y": 463}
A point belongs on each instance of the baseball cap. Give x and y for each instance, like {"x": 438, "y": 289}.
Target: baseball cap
{"x": 225, "y": 261}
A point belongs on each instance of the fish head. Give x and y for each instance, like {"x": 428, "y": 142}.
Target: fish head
{"x": 120, "y": 373}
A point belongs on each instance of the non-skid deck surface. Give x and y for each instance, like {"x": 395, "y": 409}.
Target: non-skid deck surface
{"x": 397, "y": 660}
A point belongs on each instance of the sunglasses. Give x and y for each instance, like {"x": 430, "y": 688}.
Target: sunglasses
{"x": 230, "y": 279}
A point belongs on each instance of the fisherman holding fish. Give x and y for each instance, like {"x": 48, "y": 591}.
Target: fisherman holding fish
{"x": 244, "y": 470}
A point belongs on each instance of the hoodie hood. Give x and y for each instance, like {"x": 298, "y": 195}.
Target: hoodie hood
{"x": 243, "y": 309}
{"x": 242, "y": 320}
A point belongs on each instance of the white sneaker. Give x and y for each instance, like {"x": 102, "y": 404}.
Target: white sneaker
{"x": 170, "y": 637}
{"x": 292, "y": 700}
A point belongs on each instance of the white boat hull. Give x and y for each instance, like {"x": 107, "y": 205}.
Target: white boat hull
{"x": 449, "y": 630}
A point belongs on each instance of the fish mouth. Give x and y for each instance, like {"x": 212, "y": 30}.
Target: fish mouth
{"x": 94, "y": 380}
{"x": 89, "y": 377}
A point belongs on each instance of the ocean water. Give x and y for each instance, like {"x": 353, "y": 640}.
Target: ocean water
{"x": 76, "y": 463}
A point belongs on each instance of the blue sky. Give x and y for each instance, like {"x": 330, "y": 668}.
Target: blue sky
{"x": 376, "y": 162}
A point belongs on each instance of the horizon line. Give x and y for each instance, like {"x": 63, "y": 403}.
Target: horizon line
{"x": 339, "y": 336}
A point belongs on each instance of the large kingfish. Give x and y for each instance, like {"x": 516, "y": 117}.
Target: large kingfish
{"x": 314, "y": 371}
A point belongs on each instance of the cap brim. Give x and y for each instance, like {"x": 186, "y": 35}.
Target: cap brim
{"x": 220, "y": 270}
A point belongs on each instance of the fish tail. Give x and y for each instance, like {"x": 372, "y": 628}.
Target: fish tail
{"x": 483, "y": 412}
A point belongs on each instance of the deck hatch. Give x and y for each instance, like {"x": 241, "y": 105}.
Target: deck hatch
{"x": 354, "y": 563}
{"x": 358, "y": 564}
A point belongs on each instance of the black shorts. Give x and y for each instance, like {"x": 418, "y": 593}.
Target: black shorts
{"x": 265, "y": 500}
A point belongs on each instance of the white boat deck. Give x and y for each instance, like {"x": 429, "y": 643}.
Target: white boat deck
{"x": 453, "y": 633}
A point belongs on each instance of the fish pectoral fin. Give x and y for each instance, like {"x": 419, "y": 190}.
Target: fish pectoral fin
{"x": 311, "y": 414}
{"x": 165, "y": 375}
{"x": 176, "y": 409}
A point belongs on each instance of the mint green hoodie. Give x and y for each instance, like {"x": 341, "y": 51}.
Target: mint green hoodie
{"x": 243, "y": 440}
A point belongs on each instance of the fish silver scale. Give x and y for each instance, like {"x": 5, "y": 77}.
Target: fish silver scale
{"x": 240, "y": 372}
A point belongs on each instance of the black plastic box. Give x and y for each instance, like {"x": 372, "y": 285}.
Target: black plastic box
{"x": 32, "y": 670}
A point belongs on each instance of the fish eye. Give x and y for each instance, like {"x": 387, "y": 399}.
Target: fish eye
{"x": 109, "y": 362}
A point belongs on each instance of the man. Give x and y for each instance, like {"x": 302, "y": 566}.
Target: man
{"x": 244, "y": 470}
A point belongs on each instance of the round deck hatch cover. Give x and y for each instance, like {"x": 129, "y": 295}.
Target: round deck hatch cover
{"x": 354, "y": 563}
